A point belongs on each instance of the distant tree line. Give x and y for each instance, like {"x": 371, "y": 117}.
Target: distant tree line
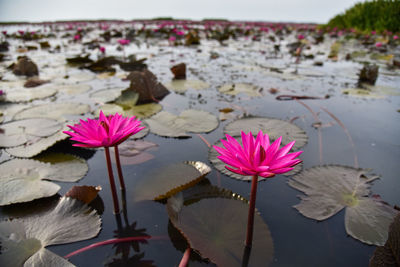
{"x": 376, "y": 15}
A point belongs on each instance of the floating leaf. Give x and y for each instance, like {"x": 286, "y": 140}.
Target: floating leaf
{"x": 106, "y": 95}
{"x": 220, "y": 166}
{"x": 133, "y": 151}
{"x": 84, "y": 193}
{"x": 30, "y": 149}
{"x": 29, "y": 94}
{"x": 216, "y": 228}
{"x": 78, "y": 77}
{"x": 23, "y": 240}
{"x": 331, "y": 188}
{"x": 273, "y": 127}
{"x": 181, "y": 86}
{"x": 170, "y": 180}
{"x": 372, "y": 91}
{"x": 170, "y": 125}
{"x": 17, "y": 175}
{"x": 389, "y": 254}
{"x": 71, "y": 89}
{"x": 53, "y": 111}
{"x": 236, "y": 88}
{"x": 127, "y": 99}
{"x": 140, "y": 111}
{"x": 27, "y": 131}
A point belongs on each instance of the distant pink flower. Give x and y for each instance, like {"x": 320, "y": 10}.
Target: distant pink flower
{"x": 257, "y": 156}
{"x": 395, "y": 37}
{"x": 1, "y": 92}
{"x": 21, "y": 32}
{"x": 4, "y": 32}
{"x": 102, "y": 49}
{"x": 373, "y": 32}
{"x": 300, "y": 37}
{"x": 378, "y": 44}
{"x": 77, "y": 37}
{"x": 172, "y": 39}
{"x": 104, "y": 132}
{"x": 180, "y": 33}
{"x": 123, "y": 41}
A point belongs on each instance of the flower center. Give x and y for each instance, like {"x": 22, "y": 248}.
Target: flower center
{"x": 105, "y": 125}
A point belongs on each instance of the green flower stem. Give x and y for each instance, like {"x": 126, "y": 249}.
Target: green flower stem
{"x": 252, "y": 206}
{"x": 120, "y": 177}
{"x": 111, "y": 179}
{"x": 185, "y": 258}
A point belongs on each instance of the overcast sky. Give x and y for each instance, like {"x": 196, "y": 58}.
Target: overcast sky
{"x": 319, "y": 11}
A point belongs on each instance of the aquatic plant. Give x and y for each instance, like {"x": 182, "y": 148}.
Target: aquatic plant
{"x": 256, "y": 157}
{"x": 105, "y": 132}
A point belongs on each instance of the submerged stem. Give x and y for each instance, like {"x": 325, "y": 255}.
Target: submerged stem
{"x": 118, "y": 162}
{"x": 185, "y": 258}
{"x": 111, "y": 179}
{"x": 114, "y": 241}
{"x": 252, "y": 206}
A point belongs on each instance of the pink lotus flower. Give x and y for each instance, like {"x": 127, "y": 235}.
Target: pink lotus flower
{"x": 378, "y": 44}
{"x": 300, "y": 37}
{"x": 77, "y": 37}
{"x": 395, "y": 37}
{"x": 124, "y": 41}
{"x": 21, "y": 32}
{"x": 4, "y": 32}
{"x": 102, "y": 49}
{"x": 257, "y": 156}
{"x": 105, "y": 131}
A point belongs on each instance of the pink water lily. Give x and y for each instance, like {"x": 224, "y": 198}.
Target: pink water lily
{"x": 124, "y": 41}
{"x": 106, "y": 131}
{"x": 257, "y": 156}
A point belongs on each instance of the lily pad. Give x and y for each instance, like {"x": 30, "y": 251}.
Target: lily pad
{"x": 78, "y": 77}
{"x": 106, "y": 95}
{"x": 31, "y": 149}
{"x": 273, "y": 127}
{"x": 29, "y": 94}
{"x": 204, "y": 225}
{"x": 170, "y": 180}
{"x": 53, "y": 111}
{"x": 27, "y": 131}
{"x": 236, "y": 88}
{"x": 127, "y": 99}
{"x": 71, "y": 89}
{"x": 17, "y": 175}
{"x": 193, "y": 121}
{"x": 220, "y": 166}
{"x": 181, "y": 86}
{"x": 140, "y": 111}
{"x": 24, "y": 240}
{"x": 331, "y": 188}
{"x": 372, "y": 91}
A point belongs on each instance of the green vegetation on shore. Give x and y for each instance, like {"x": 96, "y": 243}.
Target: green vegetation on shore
{"x": 377, "y": 15}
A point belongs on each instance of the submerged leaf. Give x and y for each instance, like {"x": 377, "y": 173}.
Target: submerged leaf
{"x": 170, "y": 180}
{"x": 204, "y": 224}
{"x": 170, "y": 125}
{"x": 331, "y": 188}
{"x": 84, "y": 193}
{"x": 273, "y": 127}
{"x": 17, "y": 175}
{"x": 69, "y": 221}
{"x": 236, "y": 88}
{"x": 133, "y": 151}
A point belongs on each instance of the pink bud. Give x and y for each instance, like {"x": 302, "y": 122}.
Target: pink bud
{"x": 102, "y": 49}
{"x": 395, "y": 37}
{"x": 77, "y": 37}
{"x": 378, "y": 44}
{"x": 123, "y": 41}
{"x": 300, "y": 37}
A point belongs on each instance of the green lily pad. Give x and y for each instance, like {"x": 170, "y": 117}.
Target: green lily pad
{"x": 17, "y": 175}
{"x": 372, "y": 91}
{"x": 220, "y": 166}
{"x": 193, "y": 121}
{"x": 140, "y": 111}
{"x": 331, "y": 188}
{"x": 127, "y": 99}
{"x": 273, "y": 127}
{"x": 53, "y": 111}
{"x": 181, "y": 86}
{"x": 236, "y": 88}
{"x": 27, "y": 131}
{"x": 31, "y": 149}
{"x": 358, "y": 92}
{"x": 204, "y": 225}
{"x": 170, "y": 180}
{"x": 106, "y": 95}
{"x": 29, "y": 94}
{"x": 24, "y": 240}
